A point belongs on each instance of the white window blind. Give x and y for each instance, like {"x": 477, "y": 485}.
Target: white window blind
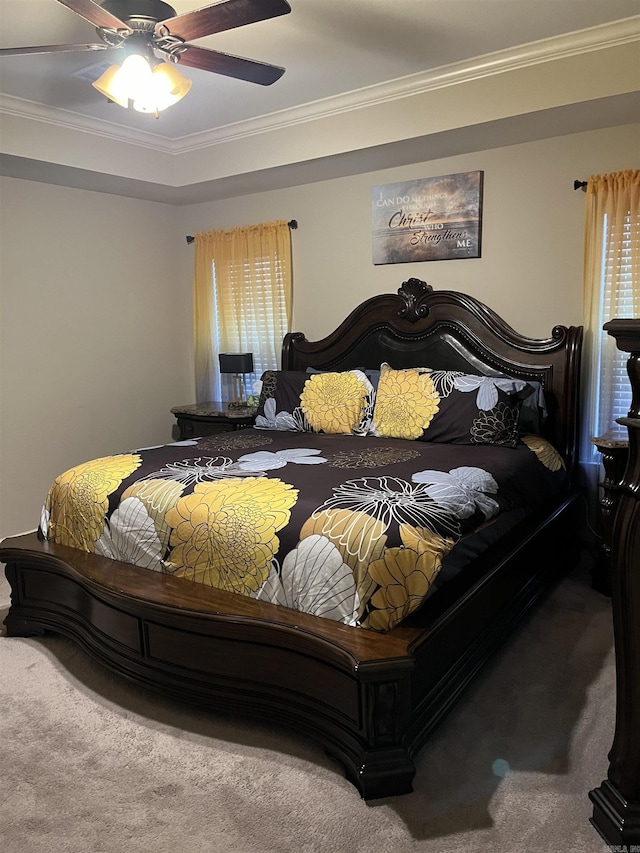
{"x": 617, "y": 302}
{"x": 252, "y": 319}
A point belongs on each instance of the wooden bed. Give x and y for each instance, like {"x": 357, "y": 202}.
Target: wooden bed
{"x": 370, "y": 698}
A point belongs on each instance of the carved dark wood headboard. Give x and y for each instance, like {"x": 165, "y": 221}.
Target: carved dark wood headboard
{"x": 448, "y": 330}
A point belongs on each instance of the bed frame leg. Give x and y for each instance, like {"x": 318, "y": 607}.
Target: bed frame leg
{"x": 386, "y": 774}
{"x": 19, "y": 625}
{"x": 382, "y": 765}
{"x": 381, "y": 779}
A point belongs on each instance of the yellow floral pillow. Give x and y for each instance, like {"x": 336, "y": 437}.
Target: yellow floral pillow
{"x": 336, "y": 402}
{"x": 406, "y": 402}
{"x": 448, "y": 406}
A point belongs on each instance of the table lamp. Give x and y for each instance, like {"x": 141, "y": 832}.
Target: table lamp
{"x": 237, "y": 364}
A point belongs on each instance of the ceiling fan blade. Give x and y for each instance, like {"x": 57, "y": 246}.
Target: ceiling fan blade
{"x": 223, "y": 16}
{"x": 230, "y": 66}
{"x": 95, "y": 14}
{"x": 51, "y": 48}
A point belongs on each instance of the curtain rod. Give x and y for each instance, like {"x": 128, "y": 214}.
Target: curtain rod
{"x": 292, "y": 223}
{"x": 580, "y": 185}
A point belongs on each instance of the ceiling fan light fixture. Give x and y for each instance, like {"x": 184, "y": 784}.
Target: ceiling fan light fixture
{"x": 151, "y": 91}
{"x": 150, "y": 31}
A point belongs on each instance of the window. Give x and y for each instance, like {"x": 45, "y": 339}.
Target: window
{"x": 253, "y": 318}
{"x": 242, "y": 301}
{"x": 612, "y": 290}
{"x": 614, "y": 388}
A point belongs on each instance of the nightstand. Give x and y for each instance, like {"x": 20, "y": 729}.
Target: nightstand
{"x": 614, "y": 447}
{"x": 198, "y": 419}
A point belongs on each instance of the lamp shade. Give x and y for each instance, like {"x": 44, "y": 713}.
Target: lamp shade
{"x": 168, "y": 87}
{"x": 150, "y": 90}
{"x": 236, "y": 362}
{"x": 110, "y": 85}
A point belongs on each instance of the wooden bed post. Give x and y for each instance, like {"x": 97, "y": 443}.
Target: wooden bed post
{"x": 616, "y": 803}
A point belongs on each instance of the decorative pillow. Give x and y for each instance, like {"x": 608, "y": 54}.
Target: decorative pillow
{"x": 279, "y": 399}
{"x": 364, "y": 427}
{"x": 337, "y": 402}
{"x": 448, "y": 406}
{"x": 406, "y": 402}
{"x": 534, "y": 409}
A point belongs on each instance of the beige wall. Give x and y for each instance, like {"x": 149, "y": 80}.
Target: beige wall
{"x": 531, "y": 265}
{"x": 94, "y": 336}
{"x": 94, "y": 352}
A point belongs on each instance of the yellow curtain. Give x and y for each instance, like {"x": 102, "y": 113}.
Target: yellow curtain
{"x": 242, "y": 298}
{"x": 611, "y": 283}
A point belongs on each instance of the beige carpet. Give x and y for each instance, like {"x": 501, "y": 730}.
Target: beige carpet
{"x": 92, "y": 764}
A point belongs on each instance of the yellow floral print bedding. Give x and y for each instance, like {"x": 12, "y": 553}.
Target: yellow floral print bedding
{"x": 346, "y": 527}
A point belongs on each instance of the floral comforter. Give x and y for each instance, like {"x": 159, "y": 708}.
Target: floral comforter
{"x": 340, "y": 526}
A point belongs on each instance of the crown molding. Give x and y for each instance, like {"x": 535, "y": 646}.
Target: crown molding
{"x": 605, "y": 36}
{"x": 601, "y": 37}
{"x": 22, "y": 108}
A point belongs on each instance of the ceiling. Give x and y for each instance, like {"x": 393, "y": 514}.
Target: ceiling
{"x": 327, "y": 46}
{"x": 335, "y": 52}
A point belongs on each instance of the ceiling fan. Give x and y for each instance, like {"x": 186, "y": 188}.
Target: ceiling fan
{"x": 155, "y": 38}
